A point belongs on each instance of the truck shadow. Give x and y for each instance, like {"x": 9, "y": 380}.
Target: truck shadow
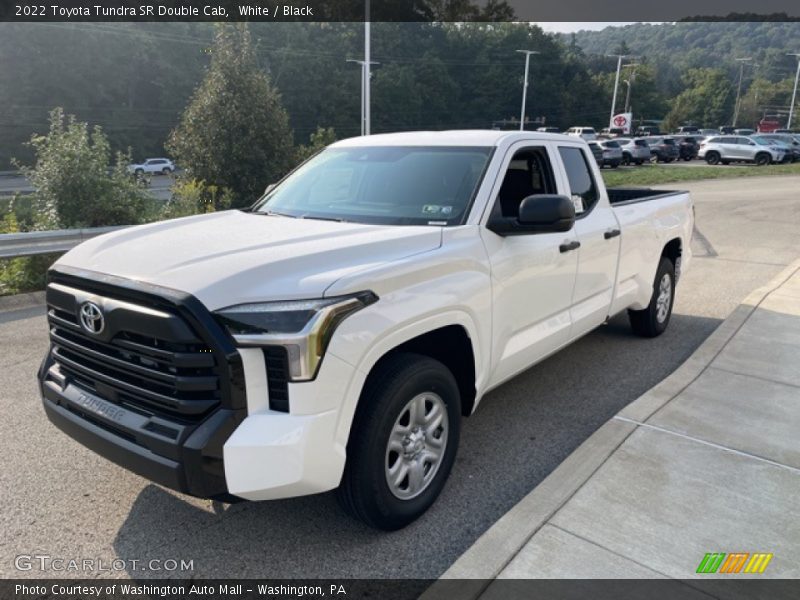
{"x": 519, "y": 434}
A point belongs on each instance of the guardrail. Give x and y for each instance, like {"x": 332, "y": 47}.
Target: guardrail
{"x": 33, "y": 243}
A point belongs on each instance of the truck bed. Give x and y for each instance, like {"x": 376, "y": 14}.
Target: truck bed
{"x": 621, "y": 196}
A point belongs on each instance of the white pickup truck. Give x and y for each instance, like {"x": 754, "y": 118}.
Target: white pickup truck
{"x": 334, "y": 335}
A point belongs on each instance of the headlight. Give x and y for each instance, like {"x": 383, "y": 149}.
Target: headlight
{"x": 303, "y": 327}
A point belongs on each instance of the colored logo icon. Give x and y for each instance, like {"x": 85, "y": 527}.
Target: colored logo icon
{"x": 736, "y": 562}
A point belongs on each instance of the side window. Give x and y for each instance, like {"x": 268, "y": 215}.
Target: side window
{"x": 581, "y": 183}
{"x": 528, "y": 173}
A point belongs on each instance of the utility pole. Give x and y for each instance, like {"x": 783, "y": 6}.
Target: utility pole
{"x": 741, "y": 62}
{"x": 794, "y": 93}
{"x": 527, "y": 54}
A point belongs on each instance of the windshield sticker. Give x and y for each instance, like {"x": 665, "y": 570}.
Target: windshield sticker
{"x": 577, "y": 202}
{"x": 435, "y": 209}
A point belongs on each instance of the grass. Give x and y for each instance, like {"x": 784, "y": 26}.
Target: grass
{"x": 654, "y": 174}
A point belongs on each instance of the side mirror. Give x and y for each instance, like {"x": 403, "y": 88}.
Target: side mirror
{"x": 540, "y": 213}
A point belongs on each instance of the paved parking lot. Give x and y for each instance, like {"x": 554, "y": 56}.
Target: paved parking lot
{"x": 62, "y": 500}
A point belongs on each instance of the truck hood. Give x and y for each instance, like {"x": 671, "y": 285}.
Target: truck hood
{"x": 234, "y": 257}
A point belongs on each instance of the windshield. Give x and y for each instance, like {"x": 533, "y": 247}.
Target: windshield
{"x": 393, "y": 185}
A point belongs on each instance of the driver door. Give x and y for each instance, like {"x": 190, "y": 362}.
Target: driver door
{"x": 533, "y": 274}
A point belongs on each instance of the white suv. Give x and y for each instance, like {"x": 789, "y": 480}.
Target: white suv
{"x": 153, "y": 165}
{"x": 726, "y": 149}
{"x": 587, "y": 133}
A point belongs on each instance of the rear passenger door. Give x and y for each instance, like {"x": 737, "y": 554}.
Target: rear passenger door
{"x": 598, "y": 232}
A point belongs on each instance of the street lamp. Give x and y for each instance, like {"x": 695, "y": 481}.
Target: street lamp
{"x": 364, "y": 92}
{"x": 794, "y": 93}
{"x": 527, "y": 54}
{"x": 741, "y": 62}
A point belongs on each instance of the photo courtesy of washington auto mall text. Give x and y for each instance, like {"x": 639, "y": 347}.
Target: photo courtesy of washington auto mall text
{"x": 399, "y": 299}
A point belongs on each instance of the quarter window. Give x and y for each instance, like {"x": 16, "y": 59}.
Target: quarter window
{"x": 582, "y": 186}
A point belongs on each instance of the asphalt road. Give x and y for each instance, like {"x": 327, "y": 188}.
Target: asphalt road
{"x": 13, "y": 184}
{"x": 61, "y": 500}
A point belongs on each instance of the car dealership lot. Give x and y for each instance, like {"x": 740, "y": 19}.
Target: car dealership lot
{"x": 62, "y": 500}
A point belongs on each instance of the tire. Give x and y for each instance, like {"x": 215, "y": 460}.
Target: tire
{"x": 626, "y": 159}
{"x": 139, "y": 172}
{"x": 166, "y": 171}
{"x": 713, "y": 158}
{"x": 653, "y": 320}
{"x": 763, "y": 159}
{"x": 398, "y": 383}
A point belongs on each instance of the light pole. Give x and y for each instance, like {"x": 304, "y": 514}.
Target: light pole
{"x": 629, "y": 81}
{"x": 527, "y": 54}
{"x": 364, "y": 92}
{"x": 367, "y": 63}
{"x": 741, "y": 62}
{"x": 794, "y": 93}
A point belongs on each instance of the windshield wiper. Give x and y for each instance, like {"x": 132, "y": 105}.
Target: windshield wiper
{"x": 335, "y": 219}
{"x": 272, "y": 213}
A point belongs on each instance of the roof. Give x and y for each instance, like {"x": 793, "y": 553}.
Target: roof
{"x": 458, "y": 137}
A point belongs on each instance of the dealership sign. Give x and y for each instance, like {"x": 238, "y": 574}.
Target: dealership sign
{"x": 622, "y": 121}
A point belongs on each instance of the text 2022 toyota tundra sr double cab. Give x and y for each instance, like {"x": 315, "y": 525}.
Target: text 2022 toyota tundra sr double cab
{"x": 333, "y": 335}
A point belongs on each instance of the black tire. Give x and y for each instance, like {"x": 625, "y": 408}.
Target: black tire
{"x": 626, "y": 159}
{"x": 166, "y": 171}
{"x": 364, "y": 491}
{"x": 652, "y": 321}
{"x": 713, "y": 158}
{"x": 763, "y": 159}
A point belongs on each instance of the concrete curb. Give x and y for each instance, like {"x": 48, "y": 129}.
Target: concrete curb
{"x": 492, "y": 552}
{"x": 21, "y": 301}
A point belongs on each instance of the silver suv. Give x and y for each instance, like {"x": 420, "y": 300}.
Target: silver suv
{"x": 635, "y": 151}
{"x": 726, "y": 149}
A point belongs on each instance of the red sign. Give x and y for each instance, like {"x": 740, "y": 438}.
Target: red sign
{"x": 620, "y": 121}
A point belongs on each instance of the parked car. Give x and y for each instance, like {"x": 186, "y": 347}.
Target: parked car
{"x": 612, "y": 153}
{"x": 791, "y": 142}
{"x": 587, "y": 133}
{"x": 548, "y": 129}
{"x": 597, "y": 152}
{"x": 688, "y": 147}
{"x": 687, "y": 129}
{"x": 164, "y": 166}
{"x": 744, "y": 131}
{"x": 636, "y": 151}
{"x": 709, "y": 132}
{"x": 648, "y": 130}
{"x": 663, "y": 149}
{"x": 612, "y": 132}
{"x": 335, "y": 335}
{"x": 790, "y": 131}
{"x": 727, "y": 149}
{"x": 727, "y": 130}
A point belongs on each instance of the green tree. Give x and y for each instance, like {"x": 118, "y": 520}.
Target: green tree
{"x": 707, "y": 100}
{"x": 76, "y": 184}
{"x": 235, "y": 133}
{"x": 322, "y": 137}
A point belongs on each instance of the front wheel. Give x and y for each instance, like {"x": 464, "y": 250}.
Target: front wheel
{"x": 763, "y": 159}
{"x": 403, "y": 441}
{"x": 653, "y": 320}
{"x": 713, "y": 158}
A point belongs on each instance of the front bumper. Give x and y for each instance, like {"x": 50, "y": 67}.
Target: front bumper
{"x": 239, "y": 447}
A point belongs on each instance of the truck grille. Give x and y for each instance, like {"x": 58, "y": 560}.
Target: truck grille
{"x": 147, "y": 360}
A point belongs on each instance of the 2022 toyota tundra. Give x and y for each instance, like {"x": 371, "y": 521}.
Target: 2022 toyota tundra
{"x": 334, "y": 335}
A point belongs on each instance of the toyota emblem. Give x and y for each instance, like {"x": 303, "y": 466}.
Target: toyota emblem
{"x": 92, "y": 318}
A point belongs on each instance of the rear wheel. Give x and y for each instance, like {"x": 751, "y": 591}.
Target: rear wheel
{"x": 166, "y": 171}
{"x": 403, "y": 442}
{"x": 713, "y": 158}
{"x": 653, "y": 320}
{"x": 762, "y": 158}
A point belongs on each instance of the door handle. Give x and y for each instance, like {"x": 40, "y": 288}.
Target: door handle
{"x": 569, "y": 246}
{"x": 611, "y": 233}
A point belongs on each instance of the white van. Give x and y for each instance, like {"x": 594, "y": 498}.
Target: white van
{"x": 587, "y": 133}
